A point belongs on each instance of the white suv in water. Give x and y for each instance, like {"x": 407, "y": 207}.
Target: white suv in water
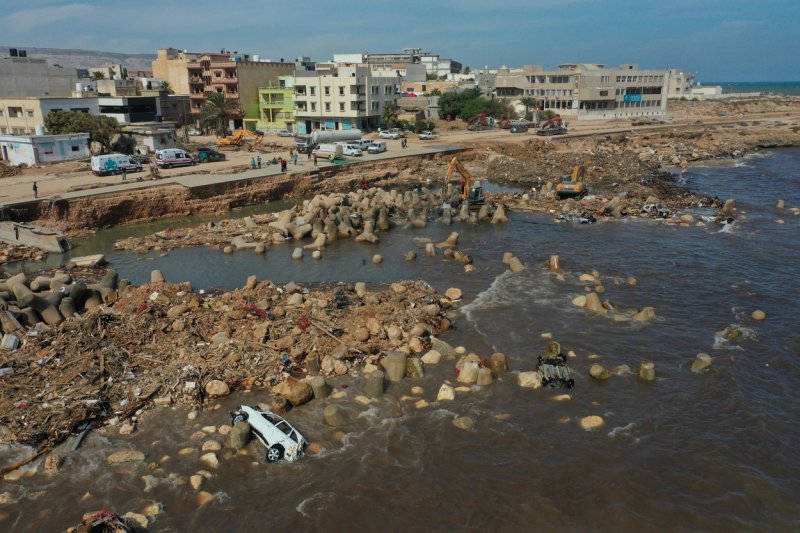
{"x": 274, "y": 432}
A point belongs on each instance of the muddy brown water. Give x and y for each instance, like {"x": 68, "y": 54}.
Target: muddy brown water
{"x": 715, "y": 451}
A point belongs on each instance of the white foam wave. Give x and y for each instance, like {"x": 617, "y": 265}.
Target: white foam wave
{"x": 317, "y": 496}
{"x": 621, "y": 430}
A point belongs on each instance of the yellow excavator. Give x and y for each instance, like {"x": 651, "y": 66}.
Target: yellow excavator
{"x": 574, "y": 185}
{"x": 472, "y": 194}
{"x": 238, "y": 138}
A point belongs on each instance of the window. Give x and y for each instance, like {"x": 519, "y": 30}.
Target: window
{"x": 327, "y": 106}
{"x": 313, "y": 91}
{"x": 327, "y": 91}
{"x": 313, "y": 106}
{"x": 341, "y": 91}
{"x": 341, "y": 106}
{"x": 30, "y": 113}
{"x": 75, "y": 148}
{"x": 603, "y": 93}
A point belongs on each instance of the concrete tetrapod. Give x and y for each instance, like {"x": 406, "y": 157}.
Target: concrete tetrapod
{"x": 320, "y": 388}
{"x": 334, "y": 416}
{"x": 374, "y": 384}
{"x": 394, "y": 364}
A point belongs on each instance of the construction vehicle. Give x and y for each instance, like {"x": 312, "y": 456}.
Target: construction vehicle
{"x": 573, "y": 185}
{"x": 552, "y": 126}
{"x": 480, "y": 122}
{"x": 238, "y": 138}
{"x": 470, "y": 192}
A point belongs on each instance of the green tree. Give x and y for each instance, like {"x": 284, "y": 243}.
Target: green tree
{"x": 389, "y": 114}
{"x": 466, "y": 70}
{"x": 435, "y": 92}
{"x": 216, "y": 112}
{"x": 101, "y": 129}
{"x": 97, "y": 75}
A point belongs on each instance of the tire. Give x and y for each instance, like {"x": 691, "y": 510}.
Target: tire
{"x": 275, "y": 453}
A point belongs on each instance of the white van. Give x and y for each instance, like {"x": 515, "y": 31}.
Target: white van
{"x": 103, "y": 165}
{"x": 352, "y": 150}
{"x": 377, "y": 147}
{"x": 329, "y": 151}
{"x": 173, "y": 157}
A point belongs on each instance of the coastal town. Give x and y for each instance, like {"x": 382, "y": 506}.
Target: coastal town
{"x": 385, "y": 192}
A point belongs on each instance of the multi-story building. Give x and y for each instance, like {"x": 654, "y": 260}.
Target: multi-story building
{"x": 25, "y": 76}
{"x": 237, "y": 76}
{"x": 275, "y": 106}
{"x": 341, "y": 97}
{"x": 21, "y": 116}
{"x": 679, "y": 83}
{"x": 434, "y": 64}
{"x": 588, "y": 91}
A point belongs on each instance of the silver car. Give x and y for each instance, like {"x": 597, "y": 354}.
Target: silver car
{"x": 275, "y": 433}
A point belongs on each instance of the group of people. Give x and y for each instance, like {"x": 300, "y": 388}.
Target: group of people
{"x": 256, "y": 162}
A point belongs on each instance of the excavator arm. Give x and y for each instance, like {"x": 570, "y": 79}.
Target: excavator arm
{"x": 466, "y": 178}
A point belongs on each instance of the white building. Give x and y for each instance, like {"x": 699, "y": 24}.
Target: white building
{"x": 679, "y": 83}
{"x": 37, "y": 149}
{"x": 341, "y": 97}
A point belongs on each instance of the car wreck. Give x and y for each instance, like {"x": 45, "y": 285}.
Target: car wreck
{"x": 281, "y": 440}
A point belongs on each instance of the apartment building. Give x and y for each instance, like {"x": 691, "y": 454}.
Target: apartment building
{"x": 275, "y": 109}
{"x": 434, "y": 64}
{"x": 341, "y": 97}
{"x": 25, "y": 76}
{"x": 679, "y": 83}
{"x": 237, "y": 76}
{"x": 588, "y": 91}
{"x": 21, "y": 116}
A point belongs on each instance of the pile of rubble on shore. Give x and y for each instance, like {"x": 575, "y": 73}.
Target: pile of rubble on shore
{"x": 361, "y": 215}
{"x": 99, "y": 352}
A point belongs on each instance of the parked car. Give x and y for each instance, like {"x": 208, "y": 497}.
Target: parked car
{"x": 519, "y": 128}
{"x": 281, "y": 440}
{"x": 173, "y": 157}
{"x": 207, "y": 155}
{"x": 352, "y": 150}
{"x": 428, "y": 136}
{"x": 363, "y": 143}
{"x": 388, "y": 134}
{"x": 377, "y": 147}
{"x": 285, "y": 133}
{"x": 103, "y": 165}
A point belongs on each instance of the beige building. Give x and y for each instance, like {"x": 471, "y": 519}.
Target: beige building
{"x": 588, "y": 91}
{"x": 341, "y": 97}
{"x": 237, "y": 76}
{"x": 679, "y": 83}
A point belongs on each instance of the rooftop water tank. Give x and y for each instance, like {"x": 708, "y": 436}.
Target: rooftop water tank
{"x": 40, "y": 129}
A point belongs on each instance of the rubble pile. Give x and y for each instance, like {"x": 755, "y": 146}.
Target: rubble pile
{"x": 115, "y": 347}
{"x": 361, "y": 215}
{"x": 6, "y": 171}
{"x": 10, "y": 253}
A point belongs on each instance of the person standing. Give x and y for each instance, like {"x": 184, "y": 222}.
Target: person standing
{"x": 252, "y": 162}
{"x": 35, "y": 190}
{"x": 314, "y": 156}
{"x": 294, "y": 157}
{"x": 259, "y": 161}
{"x": 283, "y": 165}
{"x": 124, "y": 174}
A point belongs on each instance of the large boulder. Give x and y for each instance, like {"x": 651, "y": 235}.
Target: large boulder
{"x": 297, "y": 392}
{"x": 701, "y": 362}
{"x": 530, "y": 380}
{"x": 125, "y": 456}
{"x": 216, "y": 387}
{"x": 445, "y": 350}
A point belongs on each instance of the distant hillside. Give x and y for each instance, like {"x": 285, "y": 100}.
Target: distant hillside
{"x": 85, "y": 58}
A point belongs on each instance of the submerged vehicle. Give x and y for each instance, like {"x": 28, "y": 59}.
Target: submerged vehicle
{"x": 554, "y": 369}
{"x": 281, "y": 440}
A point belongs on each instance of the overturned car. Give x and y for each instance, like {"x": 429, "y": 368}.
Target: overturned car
{"x": 281, "y": 440}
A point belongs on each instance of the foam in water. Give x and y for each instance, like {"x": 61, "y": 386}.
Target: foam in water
{"x": 621, "y": 430}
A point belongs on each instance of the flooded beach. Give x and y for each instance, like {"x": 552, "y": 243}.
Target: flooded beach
{"x": 715, "y": 450}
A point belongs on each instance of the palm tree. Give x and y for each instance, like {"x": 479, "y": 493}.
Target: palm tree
{"x": 217, "y": 110}
{"x": 389, "y": 114}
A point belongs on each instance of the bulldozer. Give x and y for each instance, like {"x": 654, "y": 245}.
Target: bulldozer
{"x": 471, "y": 192}
{"x": 238, "y": 138}
{"x": 573, "y": 185}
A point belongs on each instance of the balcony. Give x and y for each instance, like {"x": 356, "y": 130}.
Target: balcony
{"x": 197, "y": 96}
{"x": 227, "y": 80}
{"x": 196, "y": 80}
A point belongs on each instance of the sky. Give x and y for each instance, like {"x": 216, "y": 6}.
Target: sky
{"x": 718, "y": 40}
